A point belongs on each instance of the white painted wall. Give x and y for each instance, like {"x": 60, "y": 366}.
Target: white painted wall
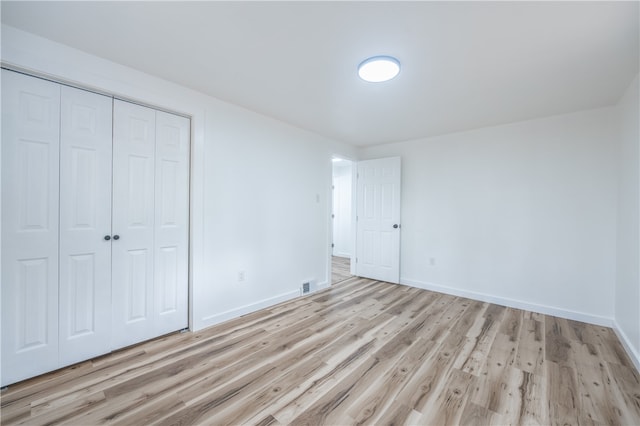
{"x": 627, "y": 289}
{"x": 522, "y": 214}
{"x": 342, "y": 201}
{"x": 259, "y": 188}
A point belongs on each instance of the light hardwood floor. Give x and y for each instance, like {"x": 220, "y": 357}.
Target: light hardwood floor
{"x": 360, "y": 352}
{"x": 340, "y": 269}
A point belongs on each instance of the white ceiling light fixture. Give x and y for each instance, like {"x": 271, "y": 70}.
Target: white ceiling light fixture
{"x": 378, "y": 69}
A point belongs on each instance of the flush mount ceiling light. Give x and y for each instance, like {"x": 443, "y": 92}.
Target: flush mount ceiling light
{"x": 378, "y": 69}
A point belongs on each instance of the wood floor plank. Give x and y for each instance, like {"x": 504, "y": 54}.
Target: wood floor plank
{"x": 65, "y": 412}
{"x": 206, "y": 407}
{"x": 430, "y": 378}
{"x": 562, "y": 394}
{"x": 596, "y": 395}
{"x": 557, "y": 341}
{"x": 330, "y": 402}
{"x": 610, "y": 348}
{"x": 263, "y": 399}
{"x": 474, "y": 415}
{"x": 360, "y": 352}
{"x": 497, "y": 375}
{"x": 372, "y": 405}
{"x": 268, "y": 421}
{"x": 152, "y": 412}
{"x": 530, "y": 356}
{"x": 398, "y": 414}
{"x": 525, "y": 401}
{"x": 481, "y": 336}
{"x": 447, "y": 405}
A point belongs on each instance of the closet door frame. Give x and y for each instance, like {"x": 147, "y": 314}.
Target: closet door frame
{"x": 54, "y": 320}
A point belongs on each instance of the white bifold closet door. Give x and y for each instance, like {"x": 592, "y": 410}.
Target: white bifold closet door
{"x": 171, "y": 242}
{"x": 150, "y": 223}
{"x": 85, "y": 220}
{"x": 95, "y": 225}
{"x": 30, "y": 169}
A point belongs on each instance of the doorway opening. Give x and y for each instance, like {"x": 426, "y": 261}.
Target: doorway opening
{"x": 342, "y": 229}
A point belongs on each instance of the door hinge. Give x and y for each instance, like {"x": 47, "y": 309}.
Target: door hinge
{"x": 332, "y": 245}
{"x": 333, "y": 216}
{"x": 356, "y": 260}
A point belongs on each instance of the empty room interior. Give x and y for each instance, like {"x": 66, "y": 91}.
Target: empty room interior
{"x": 322, "y": 213}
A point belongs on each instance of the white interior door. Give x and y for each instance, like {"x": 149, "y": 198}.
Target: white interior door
{"x": 85, "y": 221}
{"x": 378, "y": 219}
{"x": 133, "y": 223}
{"x": 30, "y": 154}
{"x": 171, "y": 223}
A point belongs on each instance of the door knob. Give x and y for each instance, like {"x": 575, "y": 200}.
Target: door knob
{"x": 395, "y": 226}
{"x": 107, "y": 237}
{"x": 116, "y": 237}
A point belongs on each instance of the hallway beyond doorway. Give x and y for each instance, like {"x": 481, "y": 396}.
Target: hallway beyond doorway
{"x": 340, "y": 269}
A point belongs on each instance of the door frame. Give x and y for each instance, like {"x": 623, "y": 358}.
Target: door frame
{"x": 352, "y": 242}
{"x": 196, "y": 118}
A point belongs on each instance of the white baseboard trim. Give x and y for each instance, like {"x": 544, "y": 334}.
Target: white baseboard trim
{"x": 633, "y": 354}
{"x": 322, "y": 285}
{"x": 512, "y": 303}
{"x": 210, "y": 320}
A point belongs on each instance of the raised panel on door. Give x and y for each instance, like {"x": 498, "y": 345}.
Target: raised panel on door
{"x": 378, "y": 211}
{"x": 30, "y": 149}
{"x": 133, "y": 222}
{"x": 171, "y": 222}
{"x": 85, "y": 219}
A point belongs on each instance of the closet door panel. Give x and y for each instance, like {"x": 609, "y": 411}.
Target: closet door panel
{"x": 171, "y": 222}
{"x": 85, "y": 220}
{"x": 133, "y": 222}
{"x": 30, "y": 154}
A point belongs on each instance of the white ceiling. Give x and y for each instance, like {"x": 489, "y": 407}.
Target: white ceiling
{"x": 464, "y": 64}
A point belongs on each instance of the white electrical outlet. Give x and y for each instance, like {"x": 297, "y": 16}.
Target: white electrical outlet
{"x": 240, "y": 276}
